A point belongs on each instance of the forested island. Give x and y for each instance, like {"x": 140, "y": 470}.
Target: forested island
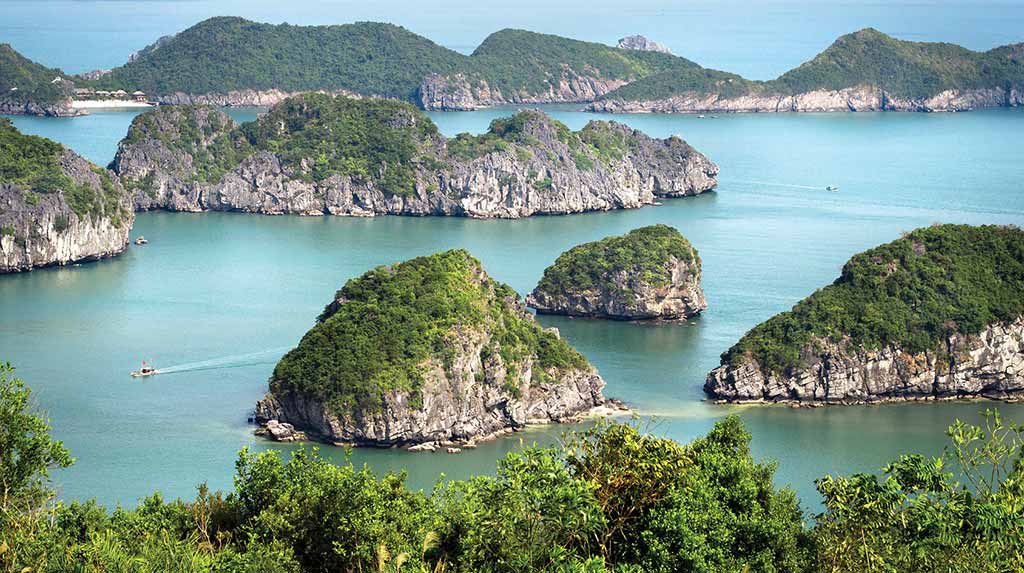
{"x": 936, "y": 314}
{"x": 56, "y": 208}
{"x": 233, "y": 61}
{"x": 317, "y": 154}
{"x": 610, "y": 498}
{"x": 427, "y": 351}
{"x": 28, "y": 88}
{"x": 651, "y": 273}
{"x": 863, "y": 71}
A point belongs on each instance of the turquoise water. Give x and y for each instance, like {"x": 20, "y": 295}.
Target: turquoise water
{"x": 232, "y": 291}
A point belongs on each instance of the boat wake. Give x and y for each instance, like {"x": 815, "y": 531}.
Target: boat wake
{"x": 235, "y": 361}
{"x": 771, "y": 184}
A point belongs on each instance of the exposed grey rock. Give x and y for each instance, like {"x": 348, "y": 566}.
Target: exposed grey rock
{"x": 544, "y": 178}
{"x": 989, "y": 364}
{"x": 643, "y": 44}
{"x": 468, "y": 392}
{"x": 860, "y": 98}
{"x": 630, "y": 292}
{"x": 457, "y": 92}
{"x": 239, "y": 98}
{"x": 40, "y": 228}
{"x": 61, "y": 108}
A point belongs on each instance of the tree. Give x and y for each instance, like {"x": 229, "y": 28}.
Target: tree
{"x": 27, "y": 452}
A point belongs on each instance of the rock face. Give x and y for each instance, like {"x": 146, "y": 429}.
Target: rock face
{"x": 861, "y": 98}
{"x": 652, "y": 273}
{"x": 240, "y": 98}
{"x": 527, "y": 165}
{"x": 61, "y": 108}
{"x": 41, "y": 228}
{"x": 458, "y": 92}
{"x": 471, "y": 377}
{"x": 643, "y": 44}
{"x": 988, "y": 364}
{"x": 911, "y": 311}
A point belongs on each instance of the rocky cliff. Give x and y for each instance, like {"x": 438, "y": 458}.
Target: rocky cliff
{"x": 426, "y": 351}
{"x": 649, "y": 273}
{"x": 938, "y": 314}
{"x": 240, "y": 98}
{"x": 987, "y": 364}
{"x": 57, "y": 208}
{"x": 392, "y": 160}
{"x": 459, "y": 92}
{"x": 28, "y": 88}
{"x": 860, "y": 98}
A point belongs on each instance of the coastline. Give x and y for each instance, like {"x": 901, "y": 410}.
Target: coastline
{"x": 110, "y": 104}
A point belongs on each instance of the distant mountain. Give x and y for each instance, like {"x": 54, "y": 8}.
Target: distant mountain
{"x": 233, "y": 61}
{"x": 30, "y": 88}
{"x": 866, "y": 70}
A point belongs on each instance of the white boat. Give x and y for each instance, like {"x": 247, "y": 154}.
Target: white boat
{"x": 145, "y": 370}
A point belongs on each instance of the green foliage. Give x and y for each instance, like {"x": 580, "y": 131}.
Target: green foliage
{"x": 34, "y": 163}
{"x": 314, "y": 135}
{"x": 30, "y": 161}
{"x": 367, "y": 139}
{"x": 27, "y": 453}
{"x": 518, "y": 62}
{"x": 34, "y": 82}
{"x": 696, "y": 79}
{"x": 902, "y": 68}
{"x": 914, "y": 293}
{"x": 921, "y": 519}
{"x": 226, "y": 53}
{"x": 610, "y": 498}
{"x": 643, "y": 252}
{"x": 393, "y": 320}
{"x": 867, "y": 57}
{"x": 223, "y": 54}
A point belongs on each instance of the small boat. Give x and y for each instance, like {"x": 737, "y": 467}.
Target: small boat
{"x": 831, "y": 188}
{"x": 145, "y": 370}
{"x": 140, "y": 240}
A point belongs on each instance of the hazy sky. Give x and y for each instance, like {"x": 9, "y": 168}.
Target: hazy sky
{"x": 757, "y": 39}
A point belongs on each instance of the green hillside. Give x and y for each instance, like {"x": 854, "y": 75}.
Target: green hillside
{"x": 23, "y": 81}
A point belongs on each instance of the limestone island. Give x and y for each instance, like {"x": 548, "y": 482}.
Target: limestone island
{"x": 651, "y": 273}
{"x": 934, "y": 315}
{"x": 260, "y": 64}
{"x": 56, "y": 208}
{"x": 863, "y": 71}
{"x": 318, "y": 154}
{"x": 28, "y": 88}
{"x": 429, "y": 352}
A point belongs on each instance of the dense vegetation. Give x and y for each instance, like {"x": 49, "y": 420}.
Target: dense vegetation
{"x": 867, "y": 57}
{"x": 643, "y": 253}
{"x": 609, "y": 498}
{"x": 223, "y": 54}
{"x": 226, "y": 53}
{"x": 385, "y": 142}
{"x": 24, "y": 81}
{"x": 913, "y": 292}
{"x": 522, "y": 62}
{"x": 33, "y": 163}
{"x": 394, "y": 319}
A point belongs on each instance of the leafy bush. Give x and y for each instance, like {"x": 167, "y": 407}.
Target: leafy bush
{"x": 609, "y": 498}
{"x": 913, "y": 293}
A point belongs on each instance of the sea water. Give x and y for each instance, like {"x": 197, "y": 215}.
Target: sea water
{"x": 220, "y": 296}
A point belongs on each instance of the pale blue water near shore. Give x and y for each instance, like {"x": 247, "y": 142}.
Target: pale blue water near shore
{"x": 237, "y": 289}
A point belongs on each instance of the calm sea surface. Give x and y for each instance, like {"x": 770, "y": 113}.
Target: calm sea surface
{"x": 219, "y": 297}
